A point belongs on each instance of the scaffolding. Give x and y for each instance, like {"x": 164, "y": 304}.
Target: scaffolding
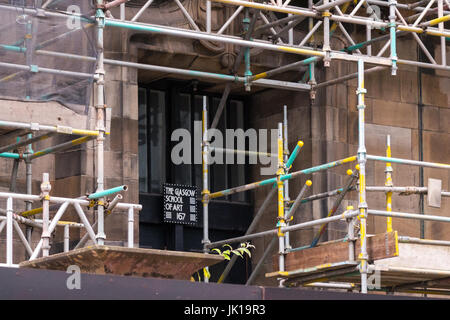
{"x": 326, "y": 15}
{"x": 29, "y": 133}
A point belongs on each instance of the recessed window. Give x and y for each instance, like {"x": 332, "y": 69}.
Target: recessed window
{"x": 163, "y": 111}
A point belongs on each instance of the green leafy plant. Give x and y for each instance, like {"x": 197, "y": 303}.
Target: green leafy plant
{"x": 242, "y": 250}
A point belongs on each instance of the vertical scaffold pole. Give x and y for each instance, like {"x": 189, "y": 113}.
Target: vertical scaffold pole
{"x": 208, "y": 16}
{"x": 351, "y": 236}
{"x": 66, "y": 238}
{"x": 290, "y": 33}
{"x": 205, "y": 191}
{"x": 441, "y": 29}
{"x": 326, "y": 35}
{"x": 273, "y": 242}
{"x": 388, "y": 183}
{"x": 29, "y": 55}
{"x": 368, "y": 38}
{"x": 130, "y": 227}
{"x": 45, "y": 189}
{"x": 122, "y": 12}
{"x": 281, "y": 222}
{"x": 29, "y": 185}
{"x": 100, "y": 108}
{"x": 393, "y": 34}
{"x": 311, "y": 22}
{"x": 248, "y": 73}
{"x": 286, "y": 182}
{"x": 9, "y": 231}
{"x": 312, "y": 80}
{"x": 362, "y": 158}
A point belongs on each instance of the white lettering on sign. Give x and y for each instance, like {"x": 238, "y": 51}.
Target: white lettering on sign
{"x": 178, "y": 207}
{"x": 184, "y": 192}
{"x": 174, "y": 199}
{"x": 180, "y": 204}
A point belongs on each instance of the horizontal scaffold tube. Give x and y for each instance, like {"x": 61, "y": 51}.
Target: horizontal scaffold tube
{"x": 348, "y": 77}
{"x": 406, "y": 215}
{"x": 305, "y": 12}
{"x": 10, "y": 155}
{"x": 36, "y": 12}
{"x": 406, "y": 239}
{"x": 50, "y": 128}
{"x": 262, "y": 6}
{"x": 35, "y": 211}
{"x": 25, "y": 142}
{"x": 199, "y": 35}
{"x": 61, "y": 223}
{"x": 288, "y": 176}
{"x": 92, "y": 196}
{"x": 322, "y": 195}
{"x": 403, "y": 190}
{"x": 423, "y": 64}
{"x": 330, "y": 5}
{"x": 59, "y": 147}
{"x": 282, "y": 69}
{"x": 81, "y": 202}
{"x": 409, "y": 162}
{"x": 303, "y": 225}
{"x": 24, "y": 220}
{"x": 46, "y": 70}
{"x": 107, "y": 192}
{"x": 258, "y": 79}
{"x": 347, "y": 286}
{"x": 246, "y": 152}
{"x": 188, "y": 73}
{"x": 385, "y": 3}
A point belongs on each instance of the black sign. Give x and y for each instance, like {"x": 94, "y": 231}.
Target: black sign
{"x": 180, "y": 204}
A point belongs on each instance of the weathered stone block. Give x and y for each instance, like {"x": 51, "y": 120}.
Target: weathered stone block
{"x": 391, "y": 113}
{"x": 436, "y": 147}
{"x": 430, "y": 118}
{"x": 435, "y": 90}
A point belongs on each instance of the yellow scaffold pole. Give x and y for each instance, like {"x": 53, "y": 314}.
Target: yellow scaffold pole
{"x": 388, "y": 183}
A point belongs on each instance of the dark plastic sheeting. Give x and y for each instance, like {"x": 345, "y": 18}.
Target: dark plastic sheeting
{"x": 58, "y": 34}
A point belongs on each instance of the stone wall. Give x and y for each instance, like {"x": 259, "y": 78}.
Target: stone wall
{"x": 72, "y": 172}
{"x": 329, "y": 128}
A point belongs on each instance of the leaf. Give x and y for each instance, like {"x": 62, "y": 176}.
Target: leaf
{"x": 227, "y": 245}
{"x": 246, "y": 251}
{"x": 236, "y": 252}
{"x": 226, "y": 257}
{"x": 217, "y": 250}
{"x": 227, "y": 252}
{"x": 250, "y": 245}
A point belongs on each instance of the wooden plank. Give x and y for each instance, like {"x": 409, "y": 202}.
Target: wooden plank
{"x": 314, "y": 270}
{"x": 393, "y": 278}
{"x": 380, "y": 246}
{"x": 128, "y": 262}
